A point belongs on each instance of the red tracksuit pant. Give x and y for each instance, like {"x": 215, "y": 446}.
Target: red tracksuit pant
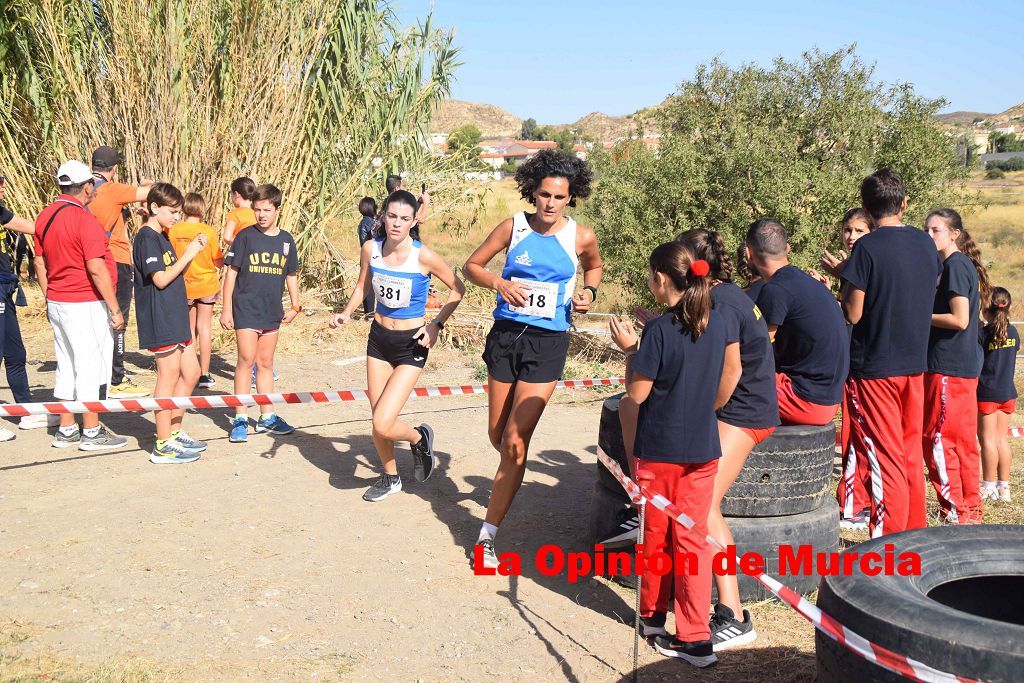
{"x": 851, "y": 493}
{"x": 690, "y": 487}
{"x": 885, "y": 430}
{"x": 950, "y": 444}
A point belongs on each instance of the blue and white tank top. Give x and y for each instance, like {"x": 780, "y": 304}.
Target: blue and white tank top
{"x": 401, "y": 291}
{"x": 546, "y": 267}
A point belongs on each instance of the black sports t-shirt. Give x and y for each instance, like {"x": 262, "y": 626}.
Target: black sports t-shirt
{"x": 811, "y": 343}
{"x": 754, "y": 403}
{"x": 161, "y": 315}
{"x": 955, "y": 352}
{"x": 677, "y": 421}
{"x": 263, "y": 263}
{"x": 996, "y": 381}
{"x": 754, "y": 290}
{"x": 8, "y": 241}
{"x": 897, "y": 268}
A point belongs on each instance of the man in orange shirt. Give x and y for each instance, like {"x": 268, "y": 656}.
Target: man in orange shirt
{"x": 107, "y": 205}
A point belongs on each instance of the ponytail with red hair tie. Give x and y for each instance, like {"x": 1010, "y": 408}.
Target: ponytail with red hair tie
{"x": 700, "y": 268}
{"x": 1002, "y": 306}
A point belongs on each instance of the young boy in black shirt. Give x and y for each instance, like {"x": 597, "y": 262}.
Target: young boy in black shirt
{"x": 261, "y": 261}
{"x": 162, "y": 318}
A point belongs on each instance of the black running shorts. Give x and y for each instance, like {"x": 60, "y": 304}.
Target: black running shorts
{"x": 396, "y": 347}
{"x": 520, "y": 352}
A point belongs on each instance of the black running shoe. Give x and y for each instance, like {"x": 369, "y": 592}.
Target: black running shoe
{"x": 385, "y": 485}
{"x": 653, "y": 625}
{"x": 728, "y": 632}
{"x": 626, "y": 528}
{"x": 698, "y": 653}
{"x": 423, "y": 453}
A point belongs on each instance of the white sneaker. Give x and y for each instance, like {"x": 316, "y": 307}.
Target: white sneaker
{"x": 38, "y": 421}
{"x": 1004, "y": 494}
{"x": 989, "y": 494}
{"x": 6, "y": 434}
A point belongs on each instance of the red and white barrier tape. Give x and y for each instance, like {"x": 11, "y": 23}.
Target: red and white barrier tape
{"x": 876, "y": 654}
{"x": 234, "y": 401}
{"x": 1016, "y": 431}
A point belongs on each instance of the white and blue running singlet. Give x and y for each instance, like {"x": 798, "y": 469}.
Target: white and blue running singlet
{"x": 401, "y": 291}
{"x": 545, "y": 265}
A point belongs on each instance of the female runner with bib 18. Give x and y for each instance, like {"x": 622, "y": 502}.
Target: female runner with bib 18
{"x": 398, "y": 269}
{"x": 526, "y": 348}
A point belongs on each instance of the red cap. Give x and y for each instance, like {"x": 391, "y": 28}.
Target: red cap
{"x": 700, "y": 268}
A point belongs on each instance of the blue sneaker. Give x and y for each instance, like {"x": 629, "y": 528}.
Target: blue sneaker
{"x": 275, "y": 425}
{"x": 190, "y": 444}
{"x": 239, "y": 429}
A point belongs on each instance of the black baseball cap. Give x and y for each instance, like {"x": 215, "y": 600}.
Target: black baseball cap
{"x": 105, "y": 157}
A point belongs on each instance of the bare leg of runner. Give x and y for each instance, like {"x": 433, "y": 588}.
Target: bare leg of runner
{"x": 517, "y": 420}
{"x": 389, "y": 389}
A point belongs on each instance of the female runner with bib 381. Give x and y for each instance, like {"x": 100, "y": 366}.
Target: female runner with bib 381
{"x": 398, "y": 269}
{"x": 525, "y": 350}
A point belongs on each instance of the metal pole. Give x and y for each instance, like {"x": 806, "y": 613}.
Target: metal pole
{"x": 639, "y": 587}
{"x": 645, "y": 477}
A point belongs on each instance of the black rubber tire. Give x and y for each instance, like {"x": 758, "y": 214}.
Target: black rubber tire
{"x": 897, "y": 613}
{"x": 818, "y": 528}
{"x": 788, "y": 473}
{"x": 609, "y": 440}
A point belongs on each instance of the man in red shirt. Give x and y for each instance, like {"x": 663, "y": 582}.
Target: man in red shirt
{"x": 77, "y": 275}
{"x": 107, "y": 205}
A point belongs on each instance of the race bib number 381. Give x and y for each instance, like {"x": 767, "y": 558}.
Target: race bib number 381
{"x": 541, "y": 298}
{"x": 390, "y": 291}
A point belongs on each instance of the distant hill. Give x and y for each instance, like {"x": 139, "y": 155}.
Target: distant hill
{"x": 601, "y": 126}
{"x": 496, "y": 122}
{"x": 493, "y": 122}
{"x": 967, "y": 118}
{"x": 1014, "y": 112}
{"x": 962, "y": 118}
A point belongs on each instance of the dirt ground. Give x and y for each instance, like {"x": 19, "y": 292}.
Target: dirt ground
{"x": 262, "y": 562}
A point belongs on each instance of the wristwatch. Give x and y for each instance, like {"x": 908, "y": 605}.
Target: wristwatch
{"x": 440, "y": 325}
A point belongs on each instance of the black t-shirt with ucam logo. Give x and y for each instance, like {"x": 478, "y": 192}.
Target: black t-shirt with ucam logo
{"x": 263, "y": 262}
{"x": 161, "y": 315}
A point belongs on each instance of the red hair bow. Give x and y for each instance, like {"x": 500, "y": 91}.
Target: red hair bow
{"x": 700, "y": 268}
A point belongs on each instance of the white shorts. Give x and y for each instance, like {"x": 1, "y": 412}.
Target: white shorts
{"x": 84, "y": 346}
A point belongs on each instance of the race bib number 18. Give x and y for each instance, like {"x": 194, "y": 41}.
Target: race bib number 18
{"x": 390, "y": 291}
{"x": 541, "y": 298}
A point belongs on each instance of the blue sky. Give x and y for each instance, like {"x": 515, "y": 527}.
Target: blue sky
{"x": 558, "y": 60}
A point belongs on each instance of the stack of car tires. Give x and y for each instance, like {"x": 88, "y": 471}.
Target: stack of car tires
{"x": 782, "y": 497}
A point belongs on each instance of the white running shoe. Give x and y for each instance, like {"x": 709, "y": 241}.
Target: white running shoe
{"x": 38, "y": 421}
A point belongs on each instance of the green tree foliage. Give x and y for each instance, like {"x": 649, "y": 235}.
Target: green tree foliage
{"x": 465, "y": 138}
{"x": 791, "y": 141}
{"x": 323, "y": 98}
{"x": 530, "y": 130}
{"x": 1005, "y": 142}
{"x": 565, "y": 139}
{"x": 1011, "y": 164}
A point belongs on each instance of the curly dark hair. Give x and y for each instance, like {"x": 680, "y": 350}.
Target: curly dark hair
{"x": 554, "y": 163}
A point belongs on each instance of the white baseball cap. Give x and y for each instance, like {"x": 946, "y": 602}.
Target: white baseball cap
{"x": 73, "y": 173}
